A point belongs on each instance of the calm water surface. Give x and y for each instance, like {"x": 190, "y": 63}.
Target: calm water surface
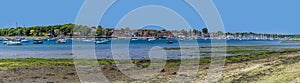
{"x": 138, "y": 49}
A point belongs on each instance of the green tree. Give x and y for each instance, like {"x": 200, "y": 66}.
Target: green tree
{"x": 99, "y": 31}
{"x": 33, "y": 32}
{"x": 220, "y": 33}
{"x": 205, "y": 31}
{"x": 184, "y": 32}
{"x": 195, "y": 31}
{"x": 57, "y": 32}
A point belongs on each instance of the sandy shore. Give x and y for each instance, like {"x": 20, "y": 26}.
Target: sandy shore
{"x": 283, "y": 69}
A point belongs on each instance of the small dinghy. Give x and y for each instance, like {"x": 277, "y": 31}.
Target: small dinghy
{"x": 169, "y": 42}
{"x": 38, "y": 42}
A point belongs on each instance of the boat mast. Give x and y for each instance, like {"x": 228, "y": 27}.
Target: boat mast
{"x": 24, "y": 31}
{"x": 18, "y": 29}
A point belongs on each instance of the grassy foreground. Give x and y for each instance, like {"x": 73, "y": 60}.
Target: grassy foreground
{"x": 248, "y": 65}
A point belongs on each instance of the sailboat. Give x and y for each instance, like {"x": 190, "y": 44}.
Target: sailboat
{"x": 102, "y": 41}
{"x": 61, "y": 39}
{"x": 51, "y": 36}
{"x": 14, "y": 42}
{"x": 23, "y": 40}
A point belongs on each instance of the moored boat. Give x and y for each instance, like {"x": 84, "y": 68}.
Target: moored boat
{"x": 88, "y": 40}
{"x": 134, "y": 39}
{"x": 4, "y": 41}
{"x": 105, "y": 41}
{"x": 51, "y": 39}
{"x": 169, "y": 42}
{"x": 152, "y": 39}
{"x": 37, "y": 41}
{"x": 59, "y": 41}
{"x": 24, "y": 41}
{"x": 14, "y": 43}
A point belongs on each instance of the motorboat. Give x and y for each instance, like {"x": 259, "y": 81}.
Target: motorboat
{"x": 38, "y": 41}
{"x": 169, "y": 42}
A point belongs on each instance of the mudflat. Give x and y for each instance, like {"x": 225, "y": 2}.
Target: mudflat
{"x": 281, "y": 68}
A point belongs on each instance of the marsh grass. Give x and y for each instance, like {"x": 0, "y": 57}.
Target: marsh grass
{"x": 257, "y": 54}
{"x": 291, "y": 41}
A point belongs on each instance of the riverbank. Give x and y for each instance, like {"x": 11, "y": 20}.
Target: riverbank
{"x": 259, "y": 66}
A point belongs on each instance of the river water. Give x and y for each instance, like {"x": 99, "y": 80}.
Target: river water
{"x": 138, "y": 49}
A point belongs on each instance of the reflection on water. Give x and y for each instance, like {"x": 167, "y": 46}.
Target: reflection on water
{"x": 138, "y": 49}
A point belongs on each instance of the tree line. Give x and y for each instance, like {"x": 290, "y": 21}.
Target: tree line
{"x": 72, "y": 29}
{"x": 54, "y": 30}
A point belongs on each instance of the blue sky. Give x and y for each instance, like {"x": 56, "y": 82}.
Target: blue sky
{"x": 261, "y": 16}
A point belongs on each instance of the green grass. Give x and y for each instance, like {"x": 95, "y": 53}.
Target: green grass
{"x": 35, "y": 62}
{"x": 5, "y": 68}
{"x": 244, "y": 52}
{"x": 258, "y": 54}
{"x": 6, "y": 64}
{"x": 291, "y": 41}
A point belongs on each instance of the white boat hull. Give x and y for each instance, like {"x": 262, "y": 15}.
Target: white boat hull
{"x": 14, "y": 43}
{"x": 102, "y": 42}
